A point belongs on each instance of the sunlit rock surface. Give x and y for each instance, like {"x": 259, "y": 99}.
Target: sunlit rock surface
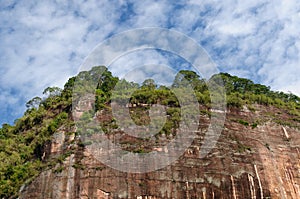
{"x": 258, "y": 160}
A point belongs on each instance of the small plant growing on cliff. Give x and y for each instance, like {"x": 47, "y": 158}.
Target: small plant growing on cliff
{"x": 251, "y": 108}
{"x": 243, "y": 122}
{"x": 59, "y": 169}
{"x": 254, "y": 125}
{"x": 140, "y": 150}
{"x": 78, "y": 166}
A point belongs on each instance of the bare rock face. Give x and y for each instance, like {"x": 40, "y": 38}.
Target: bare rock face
{"x": 258, "y": 158}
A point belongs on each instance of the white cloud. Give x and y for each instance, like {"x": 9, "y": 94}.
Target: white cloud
{"x": 44, "y": 42}
{"x": 150, "y": 13}
{"x": 138, "y": 66}
{"x": 258, "y": 39}
{"x": 234, "y": 28}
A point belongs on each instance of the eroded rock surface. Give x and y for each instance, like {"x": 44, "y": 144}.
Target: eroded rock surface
{"x": 248, "y": 161}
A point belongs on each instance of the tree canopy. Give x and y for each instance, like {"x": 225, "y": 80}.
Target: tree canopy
{"x": 21, "y": 144}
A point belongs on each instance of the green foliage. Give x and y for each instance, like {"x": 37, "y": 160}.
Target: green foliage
{"x": 78, "y": 166}
{"x": 22, "y": 144}
{"x": 185, "y": 77}
{"x": 139, "y": 150}
{"x": 234, "y": 100}
{"x": 149, "y": 84}
{"x": 52, "y": 91}
{"x": 243, "y": 122}
{"x": 254, "y": 125}
{"x": 34, "y": 103}
{"x": 59, "y": 169}
{"x": 251, "y": 108}
{"x": 107, "y": 82}
{"x": 242, "y": 91}
{"x": 101, "y": 99}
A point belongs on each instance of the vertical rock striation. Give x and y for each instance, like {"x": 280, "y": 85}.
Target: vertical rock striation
{"x": 247, "y": 162}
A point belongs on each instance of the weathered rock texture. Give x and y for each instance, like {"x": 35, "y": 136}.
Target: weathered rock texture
{"x": 247, "y": 162}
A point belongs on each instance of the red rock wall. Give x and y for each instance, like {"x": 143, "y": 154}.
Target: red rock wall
{"x": 246, "y": 163}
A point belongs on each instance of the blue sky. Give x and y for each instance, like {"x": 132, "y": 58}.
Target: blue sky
{"x": 43, "y": 43}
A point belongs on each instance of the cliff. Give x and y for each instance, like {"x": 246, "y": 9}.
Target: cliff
{"x": 57, "y": 151}
{"x": 255, "y": 157}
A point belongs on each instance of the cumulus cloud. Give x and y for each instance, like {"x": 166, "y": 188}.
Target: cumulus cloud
{"x": 43, "y": 43}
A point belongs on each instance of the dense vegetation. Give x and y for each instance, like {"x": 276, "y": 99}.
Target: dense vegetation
{"x": 22, "y": 144}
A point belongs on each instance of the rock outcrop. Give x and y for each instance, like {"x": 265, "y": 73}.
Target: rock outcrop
{"x": 258, "y": 159}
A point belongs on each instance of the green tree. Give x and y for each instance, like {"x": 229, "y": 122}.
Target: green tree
{"x": 34, "y": 103}
{"x": 185, "y": 77}
{"x": 149, "y": 84}
{"x": 52, "y": 91}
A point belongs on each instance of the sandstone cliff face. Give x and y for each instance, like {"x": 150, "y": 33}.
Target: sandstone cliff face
{"x": 260, "y": 161}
